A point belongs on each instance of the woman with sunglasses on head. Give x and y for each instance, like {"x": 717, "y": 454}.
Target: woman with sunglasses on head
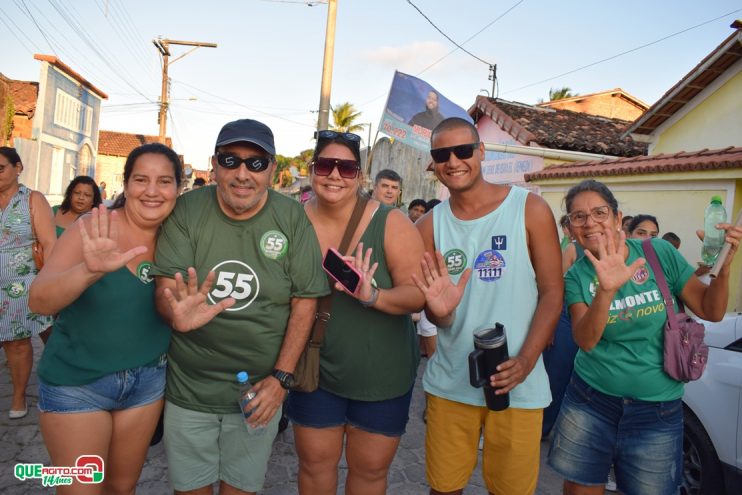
{"x": 621, "y": 407}
{"x": 369, "y": 354}
{"x": 102, "y": 374}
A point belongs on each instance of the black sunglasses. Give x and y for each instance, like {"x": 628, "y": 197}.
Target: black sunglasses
{"x": 348, "y": 169}
{"x": 253, "y": 163}
{"x": 347, "y": 136}
{"x": 462, "y": 152}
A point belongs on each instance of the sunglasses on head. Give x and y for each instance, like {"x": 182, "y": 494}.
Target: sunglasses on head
{"x": 347, "y": 136}
{"x": 462, "y": 152}
{"x": 253, "y": 163}
{"x": 348, "y": 169}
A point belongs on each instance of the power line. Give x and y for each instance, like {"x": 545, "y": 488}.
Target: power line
{"x": 12, "y": 29}
{"x": 445, "y": 35}
{"x": 623, "y": 53}
{"x": 33, "y": 19}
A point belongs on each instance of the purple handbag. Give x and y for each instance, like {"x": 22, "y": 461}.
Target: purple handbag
{"x": 685, "y": 353}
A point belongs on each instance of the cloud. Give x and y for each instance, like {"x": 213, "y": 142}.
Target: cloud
{"x": 417, "y": 56}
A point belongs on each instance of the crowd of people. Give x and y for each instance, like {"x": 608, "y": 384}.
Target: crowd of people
{"x": 194, "y": 288}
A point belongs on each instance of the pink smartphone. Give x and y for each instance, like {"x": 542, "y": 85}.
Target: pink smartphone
{"x": 341, "y": 271}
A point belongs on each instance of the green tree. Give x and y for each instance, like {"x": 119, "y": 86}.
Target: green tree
{"x": 344, "y": 116}
{"x": 561, "y": 93}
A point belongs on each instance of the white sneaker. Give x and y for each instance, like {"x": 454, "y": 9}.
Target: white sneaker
{"x": 611, "y": 483}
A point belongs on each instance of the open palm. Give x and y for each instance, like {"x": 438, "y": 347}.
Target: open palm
{"x": 610, "y": 267}
{"x": 189, "y": 305}
{"x": 441, "y": 294}
{"x": 100, "y": 247}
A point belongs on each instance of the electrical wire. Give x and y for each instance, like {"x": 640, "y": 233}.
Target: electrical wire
{"x": 12, "y": 29}
{"x": 623, "y": 53}
{"x": 445, "y": 35}
{"x": 33, "y": 19}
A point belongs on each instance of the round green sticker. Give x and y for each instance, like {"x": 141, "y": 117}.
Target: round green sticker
{"x": 143, "y": 272}
{"x": 274, "y": 244}
{"x": 455, "y": 261}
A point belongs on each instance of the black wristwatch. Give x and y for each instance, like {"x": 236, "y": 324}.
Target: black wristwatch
{"x": 285, "y": 378}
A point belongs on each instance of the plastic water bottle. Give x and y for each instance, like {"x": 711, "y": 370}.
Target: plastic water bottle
{"x": 246, "y": 395}
{"x": 714, "y": 238}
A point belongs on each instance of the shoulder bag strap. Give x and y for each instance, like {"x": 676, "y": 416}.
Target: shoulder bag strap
{"x": 659, "y": 274}
{"x": 324, "y": 304}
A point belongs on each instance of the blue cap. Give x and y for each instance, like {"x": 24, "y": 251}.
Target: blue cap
{"x": 247, "y": 131}
{"x": 242, "y": 377}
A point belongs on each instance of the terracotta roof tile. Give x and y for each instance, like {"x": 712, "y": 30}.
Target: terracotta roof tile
{"x": 56, "y": 62}
{"x": 121, "y": 143}
{"x": 560, "y": 129}
{"x": 24, "y": 95}
{"x": 683, "y": 161}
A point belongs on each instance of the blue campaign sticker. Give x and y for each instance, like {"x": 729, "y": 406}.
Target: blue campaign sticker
{"x": 489, "y": 266}
{"x": 499, "y": 242}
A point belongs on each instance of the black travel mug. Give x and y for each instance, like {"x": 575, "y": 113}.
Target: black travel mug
{"x": 490, "y": 350}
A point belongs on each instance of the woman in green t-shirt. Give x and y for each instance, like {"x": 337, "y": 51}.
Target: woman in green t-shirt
{"x": 621, "y": 407}
{"x": 369, "y": 355}
{"x": 102, "y": 374}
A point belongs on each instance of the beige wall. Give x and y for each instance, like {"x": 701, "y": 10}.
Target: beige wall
{"x": 715, "y": 122}
{"x": 604, "y": 105}
{"x": 110, "y": 169}
{"x": 678, "y": 205}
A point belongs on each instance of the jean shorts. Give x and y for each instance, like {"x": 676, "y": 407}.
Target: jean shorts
{"x": 323, "y": 409}
{"x": 125, "y": 389}
{"x": 643, "y": 440}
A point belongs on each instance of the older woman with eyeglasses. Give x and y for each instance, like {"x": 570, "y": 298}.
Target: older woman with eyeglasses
{"x": 369, "y": 354}
{"x": 621, "y": 407}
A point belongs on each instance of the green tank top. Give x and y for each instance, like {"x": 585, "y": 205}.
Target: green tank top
{"x": 366, "y": 354}
{"x": 112, "y": 326}
{"x": 60, "y": 230}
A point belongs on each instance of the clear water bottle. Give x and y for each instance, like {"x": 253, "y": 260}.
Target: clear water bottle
{"x": 246, "y": 395}
{"x": 714, "y": 238}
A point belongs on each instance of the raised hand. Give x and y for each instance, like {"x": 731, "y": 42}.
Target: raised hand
{"x": 188, "y": 302}
{"x": 362, "y": 263}
{"x": 441, "y": 294}
{"x": 100, "y": 248}
{"x": 610, "y": 266}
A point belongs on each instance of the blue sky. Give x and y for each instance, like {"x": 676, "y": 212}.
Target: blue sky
{"x": 269, "y": 58}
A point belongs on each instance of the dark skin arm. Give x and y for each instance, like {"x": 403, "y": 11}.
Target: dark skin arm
{"x": 545, "y": 253}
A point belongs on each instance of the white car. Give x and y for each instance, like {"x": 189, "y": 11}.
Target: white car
{"x": 712, "y": 438}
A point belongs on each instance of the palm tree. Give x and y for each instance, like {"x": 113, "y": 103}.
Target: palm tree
{"x": 343, "y": 116}
{"x": 561, "y": 93}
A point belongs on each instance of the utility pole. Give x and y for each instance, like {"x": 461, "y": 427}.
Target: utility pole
{"x": 493, "y": 78}
{"x": 163, "y": 45}
{"x": 324, "y": 93}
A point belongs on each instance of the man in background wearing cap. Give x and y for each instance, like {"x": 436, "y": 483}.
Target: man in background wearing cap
{"x": 253, "y": 313}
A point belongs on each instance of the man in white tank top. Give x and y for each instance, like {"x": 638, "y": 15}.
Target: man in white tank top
{"x": 497, "y": 259}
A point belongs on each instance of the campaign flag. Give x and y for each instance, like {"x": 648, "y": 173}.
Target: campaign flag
{"x": 413, "y": 109}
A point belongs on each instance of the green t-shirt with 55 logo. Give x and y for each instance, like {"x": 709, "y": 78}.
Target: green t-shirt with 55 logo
{"x": 262, "y": 263}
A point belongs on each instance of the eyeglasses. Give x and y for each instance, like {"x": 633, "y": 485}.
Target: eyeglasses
{"x": 599, "y": 214}
{"x": 347, "y": 136}
{"x": 462, "y": 152}
{"x": 253, "y": 163}
{"x": 348, "y": 169}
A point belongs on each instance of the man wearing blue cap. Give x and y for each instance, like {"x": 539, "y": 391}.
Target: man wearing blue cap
{"x": 260, "y": 262}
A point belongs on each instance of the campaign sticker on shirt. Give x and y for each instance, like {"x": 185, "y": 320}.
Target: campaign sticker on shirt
{"x": 15, "y": 290}
{"x": 499, "y": 242}
{"x": 237, "y": 280}
{"x": 455, "y": 261}
{"x": 143, "y": 272}
{"x": 489, "y": 266}
{"x": 274, "y": 244}
{"x": 641, "y": 275}
{"x": 593, "y": 287}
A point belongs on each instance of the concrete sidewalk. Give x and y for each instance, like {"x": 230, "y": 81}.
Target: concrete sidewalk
{"x": 21, "y": 441}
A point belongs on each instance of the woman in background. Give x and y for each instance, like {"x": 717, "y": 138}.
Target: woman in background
{"x": 19, "y": 207}
{"x": 81, "y": 196}
{"x": 643, "y": 227}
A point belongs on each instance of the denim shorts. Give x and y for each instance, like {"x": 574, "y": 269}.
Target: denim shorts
{"x": 323, "y": 409}
{"x": 643, "y": 440}
{"x": 126, "y": 389}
